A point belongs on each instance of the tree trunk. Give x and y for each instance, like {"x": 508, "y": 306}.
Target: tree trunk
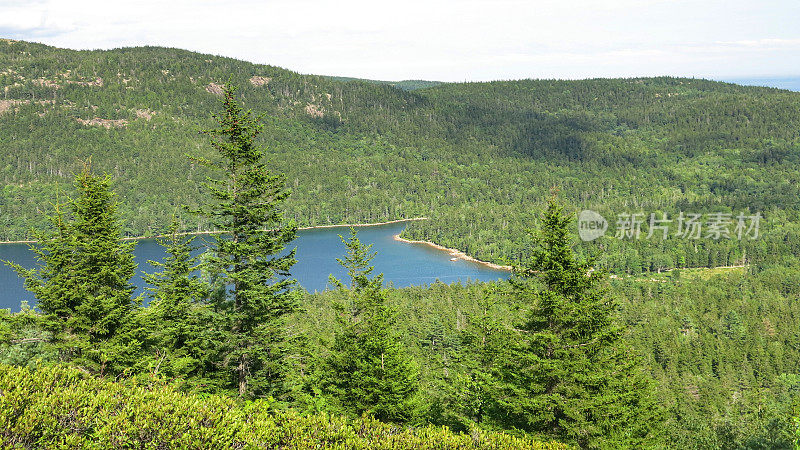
{"x": 242, "y": 370}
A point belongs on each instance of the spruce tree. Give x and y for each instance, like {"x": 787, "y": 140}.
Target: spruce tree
{"x": 570, "y": 376}
{"x": 52, "y": 283}
{"x": 176, "y": 310}
{"x": 82, "y": 284}
{"x": 245, "y": 200}
{"x": 368, "y": 370}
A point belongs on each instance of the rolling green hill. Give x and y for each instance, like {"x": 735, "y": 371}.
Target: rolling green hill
{"x": 406, "y": 85}
{"x": 476, "y": 158}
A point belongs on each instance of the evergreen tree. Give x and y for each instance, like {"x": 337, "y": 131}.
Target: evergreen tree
{"x": 570, "y": 376}
{"x": 368, "y": 370}
{"x": 52, "y": 283}
{"x": 464, "y": 395}
{"x": 245, "y": 200}
{"x": 176, "y": 312}
{"x": 83, "y": 283}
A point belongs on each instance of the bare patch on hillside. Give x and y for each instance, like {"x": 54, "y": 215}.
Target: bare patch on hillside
{"x": 259, "y": 81}
{"x": 768, "y": 327}
{"x": 107, "y": 123}
{"x": 692, "y": 390}
{"x": 315, "y": 111}
{"x": 8, "y": 88}
{"x": 6, "y": 105}
{"x": 214, "y": 88}
{"x": 97, "y": 82}
{"x": 46, "y": 83}
{"x": 55, "y": 84}
{"x": 145, "y": 114}
{"x": 123, "y": 78}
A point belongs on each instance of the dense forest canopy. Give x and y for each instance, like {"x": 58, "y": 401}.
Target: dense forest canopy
{"x": 476, "y": 158}
{"x": 711, "y": 352}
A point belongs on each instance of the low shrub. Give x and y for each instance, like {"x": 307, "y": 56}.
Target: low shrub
{"x": 61, "y": 407}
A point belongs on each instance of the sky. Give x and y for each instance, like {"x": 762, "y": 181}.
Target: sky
{"x": 445, "y": 40}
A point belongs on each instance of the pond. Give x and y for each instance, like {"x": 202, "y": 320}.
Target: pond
{"x": 403, "y": 264}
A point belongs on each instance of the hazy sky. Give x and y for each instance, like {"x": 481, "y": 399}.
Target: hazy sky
{"x": 448, "y": 40}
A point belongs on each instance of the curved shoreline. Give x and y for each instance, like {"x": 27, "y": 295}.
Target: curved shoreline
{"x": 454, "y": 253}
{"x": 197, "y": 233}
{"x": 357, "y": 225}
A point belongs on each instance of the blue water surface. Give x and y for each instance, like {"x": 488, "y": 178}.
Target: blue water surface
{"x": 402, "y": 264}
{"x": 788, "y": 83}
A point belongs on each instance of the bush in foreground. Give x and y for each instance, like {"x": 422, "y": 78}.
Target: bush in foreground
{"x": 52, "y": 407}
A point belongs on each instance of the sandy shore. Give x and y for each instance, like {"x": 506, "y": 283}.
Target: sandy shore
{"x": 355, "y": 225}
{"x": 188, "y": 233}
{"x": 454, "y": 253}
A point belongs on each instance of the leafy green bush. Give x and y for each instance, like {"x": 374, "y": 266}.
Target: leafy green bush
{"x": 59, "y": 407}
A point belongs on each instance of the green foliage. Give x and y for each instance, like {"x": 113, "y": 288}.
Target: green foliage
{"x": 462, "y": 398}
{"x": 723, "y": 388}
{"x": 177, "y": 322}
{"x": 357, "y": 262}
{"x": 796, "y": 423}
{"x": 244, "y": 203}
{"x": 367, "y": 371}
{"x": 477, "y": 159}
{"x": 567, "y": 374}
{"x": 406, "y": 85}
{"x": 57, "y": 407}
{"x": 717, "y": 392}
{"x": 83, "y": 280}
{"x": 23, "y": 340}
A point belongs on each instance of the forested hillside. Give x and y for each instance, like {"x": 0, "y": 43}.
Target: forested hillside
{"x": 476, "y": 158}
{"x": 723, "y": 350}
{"x": 100, "y": 145}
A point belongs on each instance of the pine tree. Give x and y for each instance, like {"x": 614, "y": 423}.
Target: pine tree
{"x": 245, "y": 200}
{"x": 570, "y": 376}
{"x": 368, "y": 371}
{"x": 176, "y": 313}
{"x": 83, "y": 282}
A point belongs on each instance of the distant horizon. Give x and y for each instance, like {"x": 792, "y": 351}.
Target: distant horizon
{"x": 749, "y": 80}
{"x": 447, "y": 40}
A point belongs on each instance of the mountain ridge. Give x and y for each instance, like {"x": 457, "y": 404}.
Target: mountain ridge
{"x": 477, "y": 157}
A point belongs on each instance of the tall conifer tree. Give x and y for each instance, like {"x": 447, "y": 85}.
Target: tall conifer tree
{"x": 175, "y": 314}
{"x": 245, "y": 200}
{"x": 570, "y": 376}
{"x": 82, "y": 284}
{"x": 368, "y": 371}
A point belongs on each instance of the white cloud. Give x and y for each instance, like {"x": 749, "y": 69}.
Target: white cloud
{"x": 445, "y": 40}
{"x": 762, "y": 43}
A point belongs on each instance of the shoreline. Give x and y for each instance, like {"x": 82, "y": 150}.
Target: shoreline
{"x": 454, "y": 253}
{"x": 197, "y": 233}
{"x": 358, "y": 225}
